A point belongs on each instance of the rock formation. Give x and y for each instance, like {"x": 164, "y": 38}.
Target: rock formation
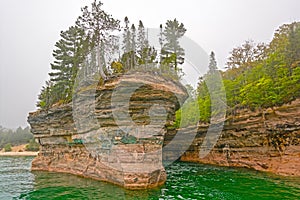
{"x": 112, "y": 131}
{"x": 115, "y": 132}
{"x": 265, "y": 140}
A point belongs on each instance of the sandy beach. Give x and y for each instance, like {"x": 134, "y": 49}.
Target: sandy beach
{"x": 26, "y": 153}
{"x": 18, "y": 151}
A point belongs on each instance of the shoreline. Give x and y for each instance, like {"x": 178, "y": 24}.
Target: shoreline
{"x": 28, "y": 153}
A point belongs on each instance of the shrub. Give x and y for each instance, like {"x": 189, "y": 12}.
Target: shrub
{"x": 32, "y": 146}
{"x": 7, "y": 147}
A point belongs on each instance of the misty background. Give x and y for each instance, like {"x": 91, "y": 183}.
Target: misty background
{"x": 29, "y": 30}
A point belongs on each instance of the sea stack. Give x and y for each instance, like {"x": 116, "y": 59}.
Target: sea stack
{"x": 113, "y": 131}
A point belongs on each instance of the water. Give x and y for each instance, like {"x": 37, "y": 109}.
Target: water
{"x": 185, "y": 181}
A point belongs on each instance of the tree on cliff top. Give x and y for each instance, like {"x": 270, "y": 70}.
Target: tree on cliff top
{"x": 259, "y": 76}
{"x": 68, "y": 55}
{"x": 98, "y": 26}
{"x": 91, "y": 44}
{"x": 91, "y": 31}
{"x": 212, "y": 63}
{"x": 172, "y": 52}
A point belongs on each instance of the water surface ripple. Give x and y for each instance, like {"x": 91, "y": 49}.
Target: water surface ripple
{"x": 185, "y": 181}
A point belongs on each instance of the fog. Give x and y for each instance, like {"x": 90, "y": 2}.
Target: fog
{"x": 29, "y": 30}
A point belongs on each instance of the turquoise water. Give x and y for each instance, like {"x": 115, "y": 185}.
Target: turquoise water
{"x": 185, "y": 181}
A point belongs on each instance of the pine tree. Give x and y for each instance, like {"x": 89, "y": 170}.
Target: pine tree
{"x": 44, "y": 98}
{"x": 68, "y": 56}
{"x": 161, "y": 42}
{"x": 133, "y": 47}
{"x": 127, "y": 46}
{"x": 126, "y": 37}
{"x": 142, "y": 41}
{"x": 212, "y": 67}
{"x": 97, "y": 24}
{"x": 172, "y": 52}
{"x": 293, "y": 47}
{"x": 161, "y": 36}
{"x": 129, "y": 58}
{"x": 146, "y": 54}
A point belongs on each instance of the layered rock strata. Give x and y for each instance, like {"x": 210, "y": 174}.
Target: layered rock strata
{"x": 265, "y": 140}
{"x": 111, "y": 132}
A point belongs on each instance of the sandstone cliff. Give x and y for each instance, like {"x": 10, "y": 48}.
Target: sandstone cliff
{"x": 115, "y": 132}
{"x": 265, "y": 140}
{"x": 112, "y": 132}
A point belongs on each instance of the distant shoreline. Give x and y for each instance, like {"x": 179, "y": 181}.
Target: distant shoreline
{"x": 18, "y": 151}
{"x": 28, "y": 153}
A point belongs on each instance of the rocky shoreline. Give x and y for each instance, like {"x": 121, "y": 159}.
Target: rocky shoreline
{"x": 266, "y": 140}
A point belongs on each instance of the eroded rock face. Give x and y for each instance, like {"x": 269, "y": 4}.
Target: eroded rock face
{"x": 266, "y": 140}
{"x": 113, "y": 132}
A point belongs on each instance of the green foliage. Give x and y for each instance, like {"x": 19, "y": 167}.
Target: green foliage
{"x": 269, "y": 80}
{"x": 188, "y": 114}
{"x": 259, "y": 76}
{"x": 259, "y": 93}
{"x": 117, "y": 67}
{"x": 172, "y": 53}
{"x": 245, "y": 55}
{"x": 128, "y": 60}
{"x": 68, "y": 55}
{"x": 76, "y": 43}
{"x": 136, "y": 49}
{"x": 7, "y": 147}
{"x": 32, "y": 146}
{"x": 204, "y": 100}
{"x": 147, "y": 55}
{"x": 42, "y": 104}
{"x": 45, "y": 97}
{"x": 90, "y": 47}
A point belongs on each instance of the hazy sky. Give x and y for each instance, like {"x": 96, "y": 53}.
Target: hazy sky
{"x": 30, "y": 28}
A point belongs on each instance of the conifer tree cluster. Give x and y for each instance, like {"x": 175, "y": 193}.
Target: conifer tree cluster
{"x": 92, "y": 47}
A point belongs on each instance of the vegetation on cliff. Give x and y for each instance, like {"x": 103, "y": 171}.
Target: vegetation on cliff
{"x": 94, "y": 39}
{"x": 265, "y": 75}
{"x": 257, "y": 76}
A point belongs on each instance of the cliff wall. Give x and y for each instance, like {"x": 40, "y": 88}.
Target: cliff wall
{"x": 116, "y": 132}
{"x": 266, "y": 140}
{"x": 112, "y": 132}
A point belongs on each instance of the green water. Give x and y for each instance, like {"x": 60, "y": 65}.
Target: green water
{"x": 185, "y": 181}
